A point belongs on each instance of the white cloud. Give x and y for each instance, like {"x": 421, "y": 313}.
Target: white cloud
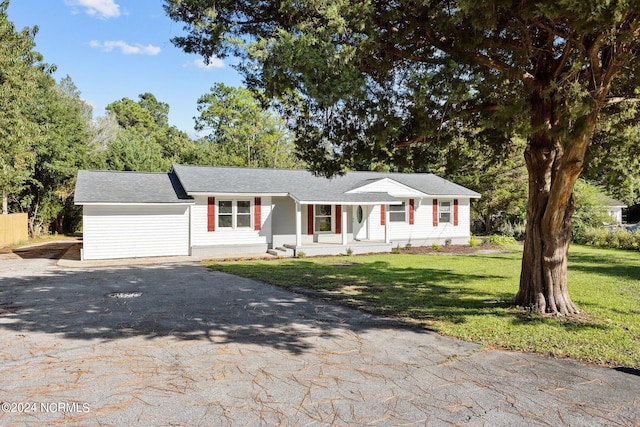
{"x": 125, "y": 48}
{"x": 103, "y": 9}
{"x": 199, "y": 63}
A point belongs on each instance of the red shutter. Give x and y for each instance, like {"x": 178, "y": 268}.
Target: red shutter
{"x": 435, "y": 212}
{"x": 381, "y": 214}
{"x": 411, "y": 210}
{"x": 338, "y": 219}
{"x": 257, "y": 213}
{"x": 310, "y": 219}
{"x": 455, "y": 211}
{"x": 211, "y": 214}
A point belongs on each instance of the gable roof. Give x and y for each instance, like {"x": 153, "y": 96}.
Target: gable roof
{"x": 185, "y": 181}
{"x": 128, "y": 187}
{"x": 305, "y": 187}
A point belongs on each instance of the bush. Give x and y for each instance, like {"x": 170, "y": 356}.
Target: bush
{"x": 473, "y": 242}
{"x": 617, "y": 238}
{"x": 435, "y": 247}
{"x": 301, "y": 254}
{"x": 512, "y": 229}
{"x": 502, "y": 240}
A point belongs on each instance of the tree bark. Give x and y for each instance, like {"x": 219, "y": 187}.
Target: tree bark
{"x": 553, "y": 166}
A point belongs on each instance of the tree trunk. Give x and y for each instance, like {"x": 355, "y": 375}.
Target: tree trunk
{"x": 554, "y": 166}
{"x": 543, "y": 279}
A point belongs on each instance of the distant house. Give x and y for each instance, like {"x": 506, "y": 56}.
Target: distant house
{"x": 201, "y": 211}
{"x": 614, "y": 208}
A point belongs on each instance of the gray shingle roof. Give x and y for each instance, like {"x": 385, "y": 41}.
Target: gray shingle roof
{"x": 174, "y": 187}
{"x": 128, "y": 187}
{"x": 304, "y": 186}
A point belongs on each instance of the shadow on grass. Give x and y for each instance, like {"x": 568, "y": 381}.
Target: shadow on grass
{"x": 594, "y": 264}
{"x": 419, "y": 293}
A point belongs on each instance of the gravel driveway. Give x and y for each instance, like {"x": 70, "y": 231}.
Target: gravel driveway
{"x": 180, "y": 345}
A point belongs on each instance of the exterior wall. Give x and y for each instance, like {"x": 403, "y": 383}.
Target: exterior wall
{"x": 422, "y": 232}
{"x": 616, "y": 214}
{"x": 229, "y": 241}
{"x": 135, "y": 231}
{"x": 283, "y": 221}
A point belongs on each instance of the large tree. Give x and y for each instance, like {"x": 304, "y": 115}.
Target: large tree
{"x": 378, "y": 77}
{"x": 20, "y": 71}
{"x": 240, "y": 131}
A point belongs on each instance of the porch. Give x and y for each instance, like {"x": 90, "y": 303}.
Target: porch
{"x": 327, "y": 248}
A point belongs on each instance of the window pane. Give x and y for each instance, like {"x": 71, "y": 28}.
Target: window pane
{"x": 323, "y": 210}
{"x": 396, "y": 216}
{"x": 445, "y": 212}
{"x": 243, "y": 220}
{"x": 244, "y": 206}
{"x": 323, "y": 223}
{"x": 224, "y": 221}
{"x": 225, "y": 206}
{"x": 397, "y": 213}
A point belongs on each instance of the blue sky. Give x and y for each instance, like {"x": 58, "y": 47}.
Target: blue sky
{"x": 121, "y": 48}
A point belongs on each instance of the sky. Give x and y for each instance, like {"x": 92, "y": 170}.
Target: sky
{"x": 114, "y": 49}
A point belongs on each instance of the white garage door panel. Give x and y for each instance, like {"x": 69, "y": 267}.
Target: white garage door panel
{"x": 135, "y": 231}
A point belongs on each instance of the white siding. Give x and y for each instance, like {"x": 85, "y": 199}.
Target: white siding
{"x": 422, "y": 232}
{"x": 135, "y": 231}
{"x": 200, "y": 236}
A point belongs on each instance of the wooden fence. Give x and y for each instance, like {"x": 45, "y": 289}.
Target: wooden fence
{"x": 13, "y": 229}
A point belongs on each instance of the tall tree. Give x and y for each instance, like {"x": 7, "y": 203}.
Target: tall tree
{"x": 63, "y": 148}
{"x": 241, "y": 132}
{"x": 144, "y": 141}
{"x": 377, "y": 76}
{"x": 20, "y": 70}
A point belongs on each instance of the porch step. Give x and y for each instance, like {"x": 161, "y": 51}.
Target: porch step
{"x": 281, "y": 251}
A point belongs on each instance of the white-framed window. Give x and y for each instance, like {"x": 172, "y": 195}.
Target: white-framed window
{"x": 323, "y": 215}
{"x": 444, "y": 212}
{"x": 398, "y": 213}
{"x": 234, "y": 214}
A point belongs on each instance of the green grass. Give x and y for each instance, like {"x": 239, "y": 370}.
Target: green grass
{"x": 469, "y": 297}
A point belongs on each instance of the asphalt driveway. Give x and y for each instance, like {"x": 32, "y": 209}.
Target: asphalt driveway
{"x": 180, "y": 345}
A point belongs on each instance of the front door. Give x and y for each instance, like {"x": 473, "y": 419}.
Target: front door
{"x": 360, "y": 215}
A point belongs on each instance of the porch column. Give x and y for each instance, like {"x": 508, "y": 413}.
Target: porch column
{"x": 344, "y": 225}
{"x": 298, "y": 224}
{"x": 387, "y": 236}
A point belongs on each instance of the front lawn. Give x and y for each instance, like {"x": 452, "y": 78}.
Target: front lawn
{"x": 469, "y": 297}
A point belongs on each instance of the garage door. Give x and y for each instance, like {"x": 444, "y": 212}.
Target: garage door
{"x": 127, "y": 231}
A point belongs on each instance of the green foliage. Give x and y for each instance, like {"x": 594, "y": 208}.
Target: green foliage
{"x": 590, "y": 209}
{"x": 241, "y": 131}
{"x": 502, "y": 240}
{"x": 349, "y": 252}
{"x": 21, "y": 72}
{"x": 383, "y": 85}
{"x": 435, "y": 246}
{"x": 617, "y": 238}
{"x": 474, "y": 242}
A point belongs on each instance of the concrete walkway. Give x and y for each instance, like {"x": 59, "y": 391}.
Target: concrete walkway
{"x": 180, "y": 345}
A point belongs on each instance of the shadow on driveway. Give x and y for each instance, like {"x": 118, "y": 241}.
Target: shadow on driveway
{"x": 187, "y": 302}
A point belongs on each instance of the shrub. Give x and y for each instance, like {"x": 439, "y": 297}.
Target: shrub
{"x": 349, "y": 252}
{"x": 435, "y": 247}
{"x": 502, "y": 240}
{"x": 512, "y": 229}
{"x": 301, "y": 254}
{"x": 447, "y": 242}
{"x": 617, "y": 238}
{"x": 473, "y": 242}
